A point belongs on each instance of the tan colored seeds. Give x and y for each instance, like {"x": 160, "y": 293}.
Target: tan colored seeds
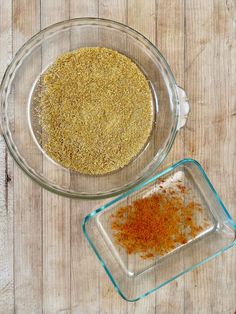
{"x": 95, "y": 110}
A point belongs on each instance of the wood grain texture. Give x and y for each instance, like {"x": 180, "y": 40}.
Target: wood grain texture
{"x": 6, "y": 182}
{"x": 170, "y": 41}
{"x": 46, "y": 265}
{"x": 56, "y": 209}
{"x": 27, "y": 206}
{"x": 210, "y": 136}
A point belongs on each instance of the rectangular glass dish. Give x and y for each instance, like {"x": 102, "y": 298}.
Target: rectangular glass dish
{"x": 135, "y": 277}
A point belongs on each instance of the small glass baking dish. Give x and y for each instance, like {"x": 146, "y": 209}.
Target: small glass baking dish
{"x": 134, "y": 277}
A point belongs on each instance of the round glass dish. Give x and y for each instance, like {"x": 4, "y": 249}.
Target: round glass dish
{"x": 17, "y": 89}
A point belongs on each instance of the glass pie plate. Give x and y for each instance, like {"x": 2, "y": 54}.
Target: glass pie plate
{"x": 134, "y": 277}
{"x": 20, "y": 128}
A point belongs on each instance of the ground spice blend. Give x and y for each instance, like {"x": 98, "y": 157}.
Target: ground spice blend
{"x": 157, "y": 224}
{"x": 95, "y": 110}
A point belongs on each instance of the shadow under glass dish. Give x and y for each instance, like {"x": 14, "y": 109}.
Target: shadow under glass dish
{"x": 31, "y": 62}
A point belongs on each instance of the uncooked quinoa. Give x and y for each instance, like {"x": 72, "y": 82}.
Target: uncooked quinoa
{"x": 95, "y": 110}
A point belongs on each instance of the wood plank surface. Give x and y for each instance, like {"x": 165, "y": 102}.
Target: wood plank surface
{"x": 210, "y": 136}
{"x": 6, "y": 179}
{"x": 27, "y": 206}
{"x": 56, "y": 209}
{"x": 170, "y": 41}
{"x": 46, "y": 265}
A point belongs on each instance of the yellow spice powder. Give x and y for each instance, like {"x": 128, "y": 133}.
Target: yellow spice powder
{"x": 95, "y": 110}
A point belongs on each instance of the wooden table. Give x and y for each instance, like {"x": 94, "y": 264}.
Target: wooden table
{"x": 45, "y": 264}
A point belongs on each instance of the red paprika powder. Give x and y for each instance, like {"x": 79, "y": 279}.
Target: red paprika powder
{"x": 156, "y": 224}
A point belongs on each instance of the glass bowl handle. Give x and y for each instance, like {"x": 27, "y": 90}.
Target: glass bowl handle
{"x": 184, "y": 107}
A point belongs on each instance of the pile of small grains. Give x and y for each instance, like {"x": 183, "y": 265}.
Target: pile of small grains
{"x": 94, "y": 109}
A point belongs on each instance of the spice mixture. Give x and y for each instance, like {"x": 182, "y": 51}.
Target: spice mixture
{"x": 95, "y": 110}
{"x": 157, "y": 224}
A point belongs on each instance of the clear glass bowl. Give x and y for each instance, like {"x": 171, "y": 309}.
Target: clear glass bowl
{"x": 134, "y": 277}
{"x": 19, "y": 125}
